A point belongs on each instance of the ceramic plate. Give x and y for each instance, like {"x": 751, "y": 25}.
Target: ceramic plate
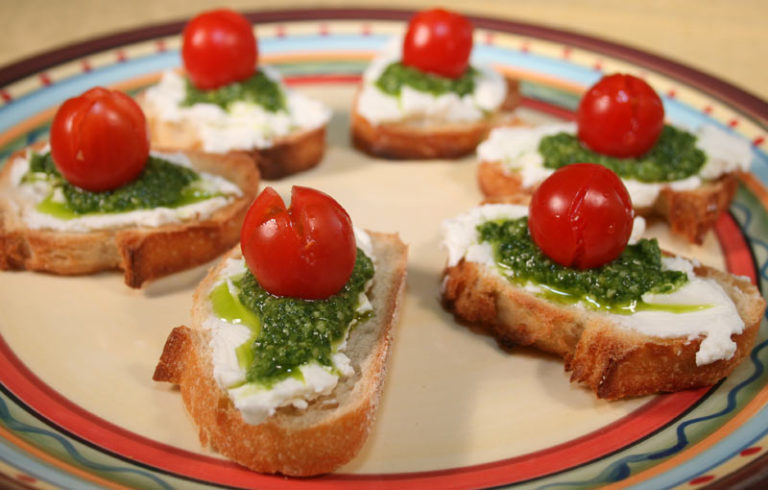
{"x": 78, "y": 408}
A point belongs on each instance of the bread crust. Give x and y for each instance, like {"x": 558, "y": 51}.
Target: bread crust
{"x": 332, "y": 429}
{"x": 291, "y": 154}
{"x": 295, "y": 152}
{"x": 422, "y": 140}
{"x": 690, "y": 213}
{"x": 693, "y": 213}
{"x": 142, "y": 253}
{"x": 611, "y": 361}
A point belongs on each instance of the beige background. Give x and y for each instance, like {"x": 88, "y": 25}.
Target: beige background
{"x": 726, "y": 38}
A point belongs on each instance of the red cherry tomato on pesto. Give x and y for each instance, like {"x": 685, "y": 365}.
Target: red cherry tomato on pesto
{"x": 439, "y": 42}
{"x": 99, "y": 140}
{"x": 306, "y": 251}
{"x": 581, "y": 216}
{"x": 621, "y": 116}
{"x": 218, "y": 48}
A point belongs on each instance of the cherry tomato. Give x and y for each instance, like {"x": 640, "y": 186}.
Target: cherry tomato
{"x": 218, "y": 48}
{"x": 100, "y": 140}
{"x": 306, "y": 251}
{"x": 621, "y": 116}
{"x": 439, "y": 42}
{"x": 581, "y": 216}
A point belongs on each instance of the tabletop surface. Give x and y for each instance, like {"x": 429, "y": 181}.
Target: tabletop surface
{"x": 720, "y": 37}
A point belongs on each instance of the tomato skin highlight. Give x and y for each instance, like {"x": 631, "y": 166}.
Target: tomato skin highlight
{"x": 439, "y": 42}
{"x": 100, "y": 140}
{"x": 621, "y": 115}
{"x": 581, "y": 216}
{"x": 305, "y": 251}
{"x": 219, "y": 48}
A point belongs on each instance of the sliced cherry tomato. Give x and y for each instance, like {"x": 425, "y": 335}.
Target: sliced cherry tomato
{"x": 219, "y": 48}
{"x": 581, "y": 216}
{"x": 439, "y": 42}
{"x": 621, "y": 116}
{"x": 100, "y": 140}
{"x": 306, "y": 251}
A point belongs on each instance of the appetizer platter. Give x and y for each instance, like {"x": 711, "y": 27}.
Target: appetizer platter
{"x": 78, "y": 404}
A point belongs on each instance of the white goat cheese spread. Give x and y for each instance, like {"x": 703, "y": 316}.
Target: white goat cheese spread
{"x": 715, "y": 324}
{"x": 256, "y": 403}
{"x": 379, "y": 107}
{"x": 32, "y": 193}
{"x": 517, "y": 150}
{"x": 245, "y": 125}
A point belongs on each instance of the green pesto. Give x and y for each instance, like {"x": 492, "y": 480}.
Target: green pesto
{"x": 673, "y": 157}
{"x": 258, "y": 89}
{"x": 617, "y": 286}
{"x": 160, "y": 184}
{"x": 396, "y": 75}
{"x": 291, "y": 332}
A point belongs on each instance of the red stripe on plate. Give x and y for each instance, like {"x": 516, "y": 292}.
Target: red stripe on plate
{"x": 552, "y": 109}
{"x": 738, "y": 258}
{"x": 315, "y": 79}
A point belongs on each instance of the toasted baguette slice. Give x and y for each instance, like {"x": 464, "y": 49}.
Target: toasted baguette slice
{"x": 293, "y": 442}
{"x": 421, "y": 140}
{"x": 142, "y": 253}
{"x": 295, "y": 152}
{"x": 690, "y": 213}
{"x": 612, "y": 361}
